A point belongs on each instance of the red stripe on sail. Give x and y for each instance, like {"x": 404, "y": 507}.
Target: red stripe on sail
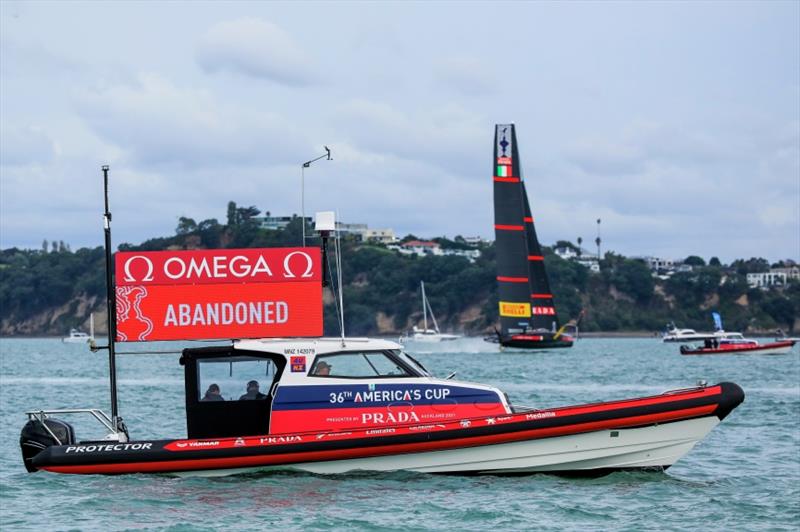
{"x": 506, "y": 179}
{"x": 528, "y": 219}
{"x": 509, "y": 227}
{"x": 541, "y": 296}
{"x": 535, "y": 257}
{"x": 512, "y": 279}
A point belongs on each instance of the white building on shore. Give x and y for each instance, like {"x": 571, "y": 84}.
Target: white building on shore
{"x": 766, "y": 279}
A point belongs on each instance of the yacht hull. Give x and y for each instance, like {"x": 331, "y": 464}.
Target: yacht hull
{"x": 531, "y": 341}
{"x": 644, "y": 433}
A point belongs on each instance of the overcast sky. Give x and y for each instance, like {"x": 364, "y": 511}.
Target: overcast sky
{"x": 677, "y": 124}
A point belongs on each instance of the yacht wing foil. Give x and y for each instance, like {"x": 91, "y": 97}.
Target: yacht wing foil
{"x": 528, "y": 317}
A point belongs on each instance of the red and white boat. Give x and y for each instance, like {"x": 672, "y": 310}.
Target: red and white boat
{"x": 738, "y": 346}
{"x": 328, "y": 406}
{"x": 333, "y": 405}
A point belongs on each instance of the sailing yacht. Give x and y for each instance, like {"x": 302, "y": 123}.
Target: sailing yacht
{"x": 80, "y": 337}
{"x": 425, "y": 334}
{"x": 528, "y": 317}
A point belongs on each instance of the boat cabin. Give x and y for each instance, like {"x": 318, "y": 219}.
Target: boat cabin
{"x": 275, "y": 386}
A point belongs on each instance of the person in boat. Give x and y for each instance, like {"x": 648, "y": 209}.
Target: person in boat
{"x": 252, "y": 392}
{"x": 323, "y": 369}
{"x": 213, "y": 394}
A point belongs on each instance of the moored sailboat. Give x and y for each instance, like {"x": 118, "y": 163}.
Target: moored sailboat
{"x": 425, "y": 334}
{"x": 528, "y": 317}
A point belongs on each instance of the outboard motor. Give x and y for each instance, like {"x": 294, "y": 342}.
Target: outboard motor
{"x": 34, "y": 438}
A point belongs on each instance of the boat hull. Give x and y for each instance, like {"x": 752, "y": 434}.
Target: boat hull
{"x": 775, "y": 348}
{"x": 653, "y": 447}
{"x": 648, "y": 432}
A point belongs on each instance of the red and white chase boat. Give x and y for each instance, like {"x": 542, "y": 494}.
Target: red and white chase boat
{"x": 738, "y": 346}
{"x": 328, "y": 406}
{"x": 332, "y": 405}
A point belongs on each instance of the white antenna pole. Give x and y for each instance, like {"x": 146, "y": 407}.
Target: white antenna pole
{"x": 424, "y": 307}
{"x": 341, "y": 287}
{"x": 91, "y": 325}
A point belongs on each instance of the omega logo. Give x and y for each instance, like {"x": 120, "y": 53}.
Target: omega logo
{"x": 288, "y": 272}
{"x": 148, "y": 276}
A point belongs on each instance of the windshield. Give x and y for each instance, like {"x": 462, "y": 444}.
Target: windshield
{"x": 363, "y": 364}
{"x": 411, "y": 361}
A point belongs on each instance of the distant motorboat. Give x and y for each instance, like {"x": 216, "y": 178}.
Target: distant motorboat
{"x": 80, "y": 337}
{"x": 425, "y": 334}
{"x": 673, "y": 334}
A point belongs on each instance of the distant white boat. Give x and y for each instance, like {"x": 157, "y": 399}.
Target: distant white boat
{"x": 425, "y": 334}
{"x": 80, "y": 337}
{"x": 673, "y": 334}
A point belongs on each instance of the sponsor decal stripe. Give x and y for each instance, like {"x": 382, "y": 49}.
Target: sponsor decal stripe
{"x": 541, "y": 296}
{"x": 509, "y": 227}
{"x": 381, "y": 450}
{"x": 503, "y": 279}
{"x": 535, "y": 257}
{"x": 528, "y": 219}
{"x": 506, "y": 179}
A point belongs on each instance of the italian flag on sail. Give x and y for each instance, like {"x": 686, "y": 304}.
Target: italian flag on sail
{"x": 503, "y": 170}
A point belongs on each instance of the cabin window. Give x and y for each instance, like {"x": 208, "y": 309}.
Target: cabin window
{"x": 411, "y": 361}
{"x": 234, "y": 379}
{"x": 368, "y": 364}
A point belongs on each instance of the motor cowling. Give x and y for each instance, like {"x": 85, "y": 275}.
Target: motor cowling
{"x": 34, "y": 438}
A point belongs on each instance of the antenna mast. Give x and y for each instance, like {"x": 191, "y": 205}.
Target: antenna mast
{"x": 111, "y": 300}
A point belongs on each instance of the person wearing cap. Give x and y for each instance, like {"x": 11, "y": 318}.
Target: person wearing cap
{"x": 213, "y": 394}
{"x": 323, "y": 369}
{"x": 252, "y": 392}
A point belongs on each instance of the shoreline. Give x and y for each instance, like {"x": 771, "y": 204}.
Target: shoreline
{"x": 582, "y": 335}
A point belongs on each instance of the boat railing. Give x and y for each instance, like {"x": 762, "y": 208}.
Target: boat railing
{"x": 99, "y": 415}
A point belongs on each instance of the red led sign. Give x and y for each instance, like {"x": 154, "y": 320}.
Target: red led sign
{"x": 213, "y": 294}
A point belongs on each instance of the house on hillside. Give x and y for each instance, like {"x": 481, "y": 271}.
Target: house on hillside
{"x": 580, "y": 255}
{"x": 767, "y": 279}
{"x": 382, "y": 236}
{"x": 421, "y": 248}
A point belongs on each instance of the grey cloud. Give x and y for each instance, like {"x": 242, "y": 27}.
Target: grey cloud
{"x": 25, "y": 145}
{"x": 255, "y": 48}
{"x": 158, "y": 123}
{"x": 466, "y": 75}
{"x": 446, "y": 136}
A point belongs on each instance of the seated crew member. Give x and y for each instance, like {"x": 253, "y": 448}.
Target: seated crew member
{"x": 323, "y": 369}
{"x": 213, "y": 394}
{"x": 252, "y": 392}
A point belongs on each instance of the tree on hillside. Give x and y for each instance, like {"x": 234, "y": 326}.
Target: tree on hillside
{"x": 566, "y": 244}
{"x": 633, "y": 277}
{"x": 186, "y": 226}
{"x": 210, "y": 231}
{"x": 232, "y": 214}
{"x": 780, "y": 309}
{"x": 714, "y": 261}
{"x": 752, "y": 265}
{"x": 694, "y": 260}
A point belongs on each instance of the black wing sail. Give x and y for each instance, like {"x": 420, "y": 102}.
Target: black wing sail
{"x": 543, "y": 310}
{"x": 511, "y": 243}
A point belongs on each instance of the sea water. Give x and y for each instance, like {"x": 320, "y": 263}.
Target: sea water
{"x": 744, "y": 476}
